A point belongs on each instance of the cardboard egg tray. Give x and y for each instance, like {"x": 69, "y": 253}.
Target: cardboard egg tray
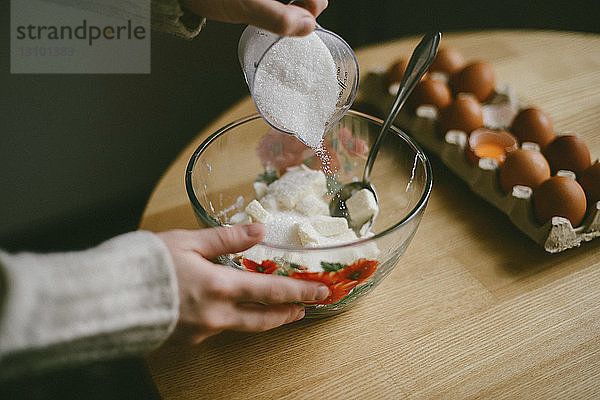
{"x": 554, "y": 236}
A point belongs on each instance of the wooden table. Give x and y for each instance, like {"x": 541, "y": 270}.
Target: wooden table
{"x": 474, "y": 308}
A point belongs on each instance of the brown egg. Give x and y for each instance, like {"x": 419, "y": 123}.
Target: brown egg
{"x": 523, "y": 167}
{"x": 448, "y": 61}
{"x": 533, "y": 125}
{"x": 590, "y": 181}
{"x": 396, "y": 71}
{"x": 478, "y": 78}
{"x": 464, "y": 114}
{"x": 568, "y": 152}
{"x": 432, "y": 92}
{"x": 559, "y": 196}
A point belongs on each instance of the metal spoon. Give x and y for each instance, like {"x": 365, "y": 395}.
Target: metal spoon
{"x": 419, "y": 62}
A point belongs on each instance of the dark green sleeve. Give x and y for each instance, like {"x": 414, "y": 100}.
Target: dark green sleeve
{"x": 170, "y": 17}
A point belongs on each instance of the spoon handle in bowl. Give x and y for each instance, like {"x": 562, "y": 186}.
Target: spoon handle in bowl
{"x": 419, "y": 62}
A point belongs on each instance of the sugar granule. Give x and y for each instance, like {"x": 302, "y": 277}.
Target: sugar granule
{"x": 295, "y": 87}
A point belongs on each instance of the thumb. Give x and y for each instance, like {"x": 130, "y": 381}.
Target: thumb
{"x": 214, "y": 242}
{"x": 279, "y": 18}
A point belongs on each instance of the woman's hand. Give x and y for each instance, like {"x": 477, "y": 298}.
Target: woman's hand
{"x": 214, "y": 297}
{"x": 296, "y": 19}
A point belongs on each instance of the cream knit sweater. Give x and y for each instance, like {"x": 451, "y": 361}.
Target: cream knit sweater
{"x": 117, "y": 299}
{"x": 59, "y": 309}
{"x": 166, "y": 15}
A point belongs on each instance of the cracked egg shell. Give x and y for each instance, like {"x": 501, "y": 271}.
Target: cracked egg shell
{"x": 559, "y": 196}
{"x": 488, "y": 143}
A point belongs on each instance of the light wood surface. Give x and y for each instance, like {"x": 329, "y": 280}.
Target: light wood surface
{"x": 473, "y": 309}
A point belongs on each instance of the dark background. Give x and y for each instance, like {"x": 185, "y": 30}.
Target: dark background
{"x": 80, "y": 154}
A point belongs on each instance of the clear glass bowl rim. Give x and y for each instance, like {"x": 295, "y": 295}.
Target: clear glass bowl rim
{"x": 211, "y": 222}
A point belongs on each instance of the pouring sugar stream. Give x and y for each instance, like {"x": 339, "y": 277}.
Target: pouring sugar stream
{"x": 302, "y": 85}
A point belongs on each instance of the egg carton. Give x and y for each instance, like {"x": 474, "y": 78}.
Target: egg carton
{"x": 554, "y": 236}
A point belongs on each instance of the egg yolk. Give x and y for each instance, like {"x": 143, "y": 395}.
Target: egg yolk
{"x": 490, "y": 150}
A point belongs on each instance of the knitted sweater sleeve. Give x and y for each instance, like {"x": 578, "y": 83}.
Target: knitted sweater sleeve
{"x": 60, "y": 309}
{"x": 170, "y": 17}
{"x": 166, "y": 15}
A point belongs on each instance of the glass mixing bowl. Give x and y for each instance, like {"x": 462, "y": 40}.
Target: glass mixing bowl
{"x": 220, "y": 179}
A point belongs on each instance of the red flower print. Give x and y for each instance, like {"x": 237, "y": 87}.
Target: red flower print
{"x": 326, "y": 159}
{"x": 360, "y": 271}
{"x": 339, "y": 282}
{"x": 354, "y": 146}
{"x": 250, "y": 265}
{"x": 328, "y": 278}
{"x": 265, "y": 267}
{"x": 342, "y": 281}
{"x": 280, "y": 151}
{"x": 269, "y": 266}
{"x": 331, "y": 279}
{"x": 338, "y": 291}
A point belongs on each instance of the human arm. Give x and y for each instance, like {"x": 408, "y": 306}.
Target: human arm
{"x": 185, "y": 18}
{"x": 215, "y": 297}
{"x": 295, "y": 19}
{"x": 117, "y": 299}
{"x": 128, "y": 295}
